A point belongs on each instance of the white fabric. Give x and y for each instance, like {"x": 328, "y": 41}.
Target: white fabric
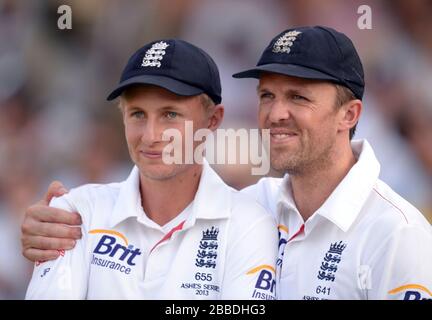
{"x": 226, "y": 248}
{"x": 364, "y": 242}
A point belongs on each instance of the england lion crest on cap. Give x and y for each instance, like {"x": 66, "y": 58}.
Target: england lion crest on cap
{"x": 155, "y": 54}
{"x": 283, "y": 43}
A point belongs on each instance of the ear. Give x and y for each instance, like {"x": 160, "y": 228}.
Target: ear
{"x": 350, "y": 114}
{"x": 215, "y": 117}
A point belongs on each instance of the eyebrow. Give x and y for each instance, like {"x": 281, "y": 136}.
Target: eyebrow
{"x": 290, "y": 90}
{"x": 131, "y": 107}
{"x": 169, "y": 108}
{"x": 261, "y": 89}
{"x": 165, "y": 108}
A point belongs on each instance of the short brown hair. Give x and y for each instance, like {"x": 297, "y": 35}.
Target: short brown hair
{"x": 206, "y": 101}
{"x": 343, "y": 95}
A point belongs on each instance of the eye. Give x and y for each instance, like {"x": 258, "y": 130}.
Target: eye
{"x": 137, "y": 114}
{"x": 265, "y": 95}
{"x": 299, "y": 97}
{"x": 171, "y": 114}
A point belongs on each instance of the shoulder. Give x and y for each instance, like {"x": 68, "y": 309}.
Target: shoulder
{"x": 252, "y": 230}
{"x": 91, "y": 193}
{"x": 389, "y": 220}
{"x": 267, "y": 184}
{"x": 265, "y": 192}
{"x": 95, "y": 192}
{"x": 247, "y": 214}
{"x": 394, "y": 210}
{"x": 88, "y": 198}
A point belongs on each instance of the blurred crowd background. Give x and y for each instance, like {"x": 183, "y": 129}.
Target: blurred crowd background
{"x": 56, "y": 124}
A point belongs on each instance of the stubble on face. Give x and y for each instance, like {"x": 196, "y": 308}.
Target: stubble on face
{"x": 310, "y": 155}
{"x": 311, "y": 121}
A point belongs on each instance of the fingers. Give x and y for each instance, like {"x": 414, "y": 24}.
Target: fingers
{"x": 40, "y": 255}
{"x": 46, "y": 230}
{"x": 46, "y": 243}
{"x": 43, "y": 213}
{"x": 32, "y": 227}
{"x": 55, "y": 189}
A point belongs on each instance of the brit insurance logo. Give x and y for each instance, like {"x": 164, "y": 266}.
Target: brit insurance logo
{"x": 412, "y": 292}
{"x": 207, "y": 250}
{"x": 265, "y": 286}
{"x": 331, "y": 260}
{"x": 113, "y": 251}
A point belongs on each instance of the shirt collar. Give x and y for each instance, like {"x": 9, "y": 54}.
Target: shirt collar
{"x": 346, "y": 201}
{"x": 212, "y": 200}
{"x": 285, "y": 196}
{"x": 213, "y": 197}
{"x": 128, "y": 203}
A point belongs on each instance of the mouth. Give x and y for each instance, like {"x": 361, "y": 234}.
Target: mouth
{"x": 151, "y": 154}
{"x": 282, "y": 135}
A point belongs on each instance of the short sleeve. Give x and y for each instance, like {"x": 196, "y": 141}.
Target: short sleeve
{"x": 63, "y": 278}
{"x": 250, "y": 262}
{"x": 402, "y": 267}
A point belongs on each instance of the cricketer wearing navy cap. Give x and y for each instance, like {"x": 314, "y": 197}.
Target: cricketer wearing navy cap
{"x": 344, "y": 234}
{"x": 186, "y": 70}
{"x": 312, "y": 53}
{"x": 186, "y": 234}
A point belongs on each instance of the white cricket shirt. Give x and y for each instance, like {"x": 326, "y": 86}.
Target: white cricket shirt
{"x": 364, "y": 242}
{"x": 223, "y": 246}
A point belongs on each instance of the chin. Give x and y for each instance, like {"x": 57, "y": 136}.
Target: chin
{"x": 278, "y": 166}
{"x": 158, "y": 172}
{"x": 284, "y": 163}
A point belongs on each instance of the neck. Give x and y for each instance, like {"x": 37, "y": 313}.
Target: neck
{"x": 163, "y": 200}
{"x": 312, "y": 187}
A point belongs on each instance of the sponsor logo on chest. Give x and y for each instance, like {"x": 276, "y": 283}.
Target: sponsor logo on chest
{"x": 412, "y": 291}
{"x": 113, "y": 251}
{"x": 265, "y": 285}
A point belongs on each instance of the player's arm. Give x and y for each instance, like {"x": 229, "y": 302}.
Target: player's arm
{"x": 402, "y": 267}
{"x": 45, "y": 230}
{"x": 65, "y": 277}
{"x": 250, "y": 262}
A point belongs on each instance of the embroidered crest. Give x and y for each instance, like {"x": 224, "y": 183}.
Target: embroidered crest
{"x": 284, "y": 43}
{"x": 207, "y": 252}
{"x": 154, "y": 55}
{"x": 330, "y": 262}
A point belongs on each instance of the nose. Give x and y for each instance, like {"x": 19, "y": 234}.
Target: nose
{"x": 279, "y": 112}
{"x": 151, "y": 133}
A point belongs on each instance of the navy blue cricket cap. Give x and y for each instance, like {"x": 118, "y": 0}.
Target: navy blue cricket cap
{"x": 313, "y": 53}
{"x": 175, "y": 65}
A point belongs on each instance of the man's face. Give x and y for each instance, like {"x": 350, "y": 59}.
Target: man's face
{"x": 302, "y": 119}
{"x": 147, "y": 112}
